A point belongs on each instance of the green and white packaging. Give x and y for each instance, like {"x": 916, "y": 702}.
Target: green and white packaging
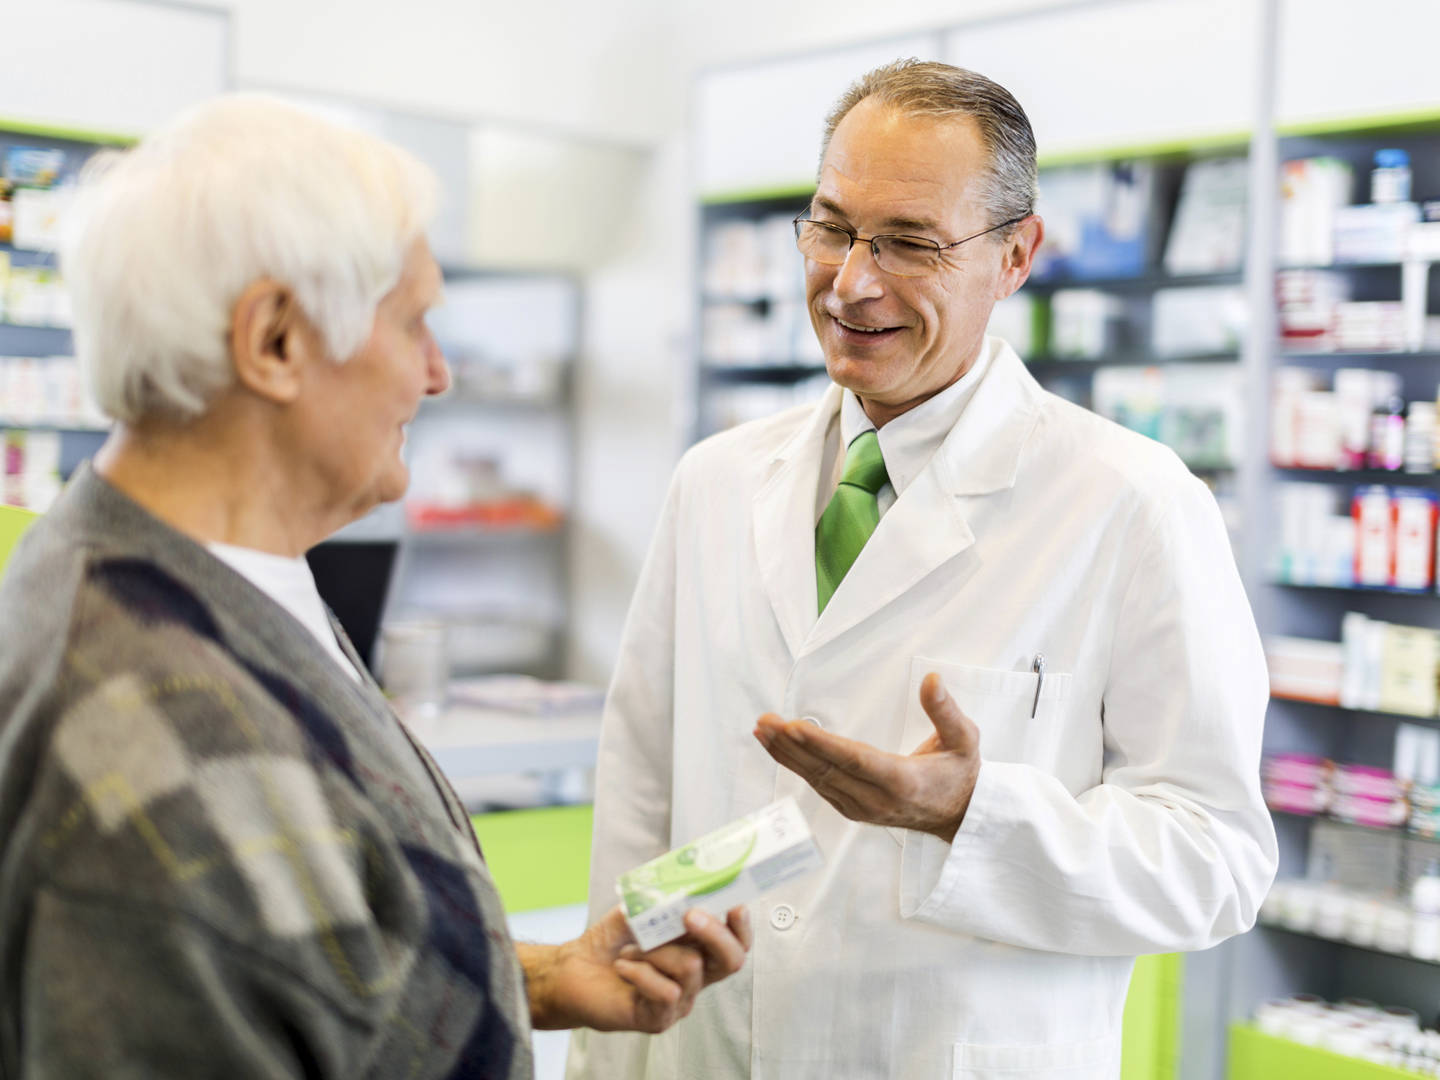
{"x": 730, "y": 866}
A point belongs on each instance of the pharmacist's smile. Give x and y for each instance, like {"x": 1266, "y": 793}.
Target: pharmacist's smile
{"x": 860, "y": 333}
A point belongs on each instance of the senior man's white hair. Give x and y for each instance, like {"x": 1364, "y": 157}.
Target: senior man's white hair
{"x": 163, "y": 238}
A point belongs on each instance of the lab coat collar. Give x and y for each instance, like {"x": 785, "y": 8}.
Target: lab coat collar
{"x": 921, "y": 531}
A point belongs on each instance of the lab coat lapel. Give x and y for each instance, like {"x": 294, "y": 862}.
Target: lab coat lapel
{"x": 926, "y": 526}
{"x": 784, "y": 511}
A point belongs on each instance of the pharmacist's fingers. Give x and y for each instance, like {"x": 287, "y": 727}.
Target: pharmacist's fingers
{"x": 824, "y": 775}
{"x": 849, "y": 756}
{"x": 721, "y": 950}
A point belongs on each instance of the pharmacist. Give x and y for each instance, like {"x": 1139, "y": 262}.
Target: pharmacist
{"x": 1023, "y": 687}
{"x": 223, "y": 855}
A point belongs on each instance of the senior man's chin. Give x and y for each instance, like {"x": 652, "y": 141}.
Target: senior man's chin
{"x": 868, "y": 376}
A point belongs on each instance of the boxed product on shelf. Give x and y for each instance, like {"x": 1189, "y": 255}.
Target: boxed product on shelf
{"x": 1195, "y": 409}
{"x": 1315, "y": 537}
{"x": 753, "y": 260}
{"x": 1198, "y": 321}
{"x": 46, "y": 390}
{"x": 32, "y": 468}
{"x": 743, "y": 334}
{"x": 1084, "y": 324}
{"x": 1367, "y": 795}
{"x": 1389, "y": 668}
{"x": 1307, "y": 300}
{"x": 1305, "y": 670}
{"x": 1369, "y": 326}
{"x": 36, "y": 296}
{"x": 1359, "y": 424}
{"x": 1014, "y": 320}
{"x": 34, "y": 166}
{"x": 1296, "y": 783}
{"x": 1096, "y": 220}
{"x": 1312, "y": 190}
{"x": 38, "y": 216}
{"x": 1374, "y": 232}
{"x": 1208, "y": 234}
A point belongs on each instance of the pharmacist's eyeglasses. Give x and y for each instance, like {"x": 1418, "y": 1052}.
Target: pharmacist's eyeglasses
{"x": 904, "y": 256}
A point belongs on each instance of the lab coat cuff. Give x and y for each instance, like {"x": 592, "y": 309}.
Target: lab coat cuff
{"x": 930, "y": 868}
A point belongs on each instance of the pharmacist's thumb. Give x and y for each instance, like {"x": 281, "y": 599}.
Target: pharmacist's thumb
{"x": 953, "y": 729}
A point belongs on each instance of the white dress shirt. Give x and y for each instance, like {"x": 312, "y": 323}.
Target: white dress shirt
{"x": 290, "y": 584}
{"x": 907, "y": 443}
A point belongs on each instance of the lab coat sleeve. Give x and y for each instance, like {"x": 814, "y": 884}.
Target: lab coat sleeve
{"x": 1174, "y": 849}
{"x": 633, "y": 774}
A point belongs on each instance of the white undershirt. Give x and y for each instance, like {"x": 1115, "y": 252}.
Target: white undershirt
{"x": 290, "y": 584}
{"x": 907, "y": 443}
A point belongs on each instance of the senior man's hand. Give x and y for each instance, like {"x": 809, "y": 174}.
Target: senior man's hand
{"x": 602, "y": 980}
{"x": 928, "y": 791}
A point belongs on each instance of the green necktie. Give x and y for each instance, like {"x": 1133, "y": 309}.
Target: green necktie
{"x": 851, "y": 516}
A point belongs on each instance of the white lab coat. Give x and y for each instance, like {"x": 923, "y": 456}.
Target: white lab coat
{"x": 1124, "y": 817}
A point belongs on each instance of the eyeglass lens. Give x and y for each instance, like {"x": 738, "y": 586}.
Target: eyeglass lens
{"x": 893, "y": 254}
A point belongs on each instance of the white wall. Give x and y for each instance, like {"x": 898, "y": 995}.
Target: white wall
{"x": 632, "y": 396}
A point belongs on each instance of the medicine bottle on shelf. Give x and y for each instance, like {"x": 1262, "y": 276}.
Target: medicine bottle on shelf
{"x": 1420, "y": 437}
{"x": 1390, "y": 179}
{"x": 1387, "y": 435}
{"x": 1425, "y": 915}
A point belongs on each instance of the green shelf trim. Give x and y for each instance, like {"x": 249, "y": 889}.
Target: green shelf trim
{"x": 765, "y": 194}
{"x": 1220, "y": 140}
{"x": 1257, "y": 1056}
{"x": 59, "y": 131}
{"x": 538, "y": 858}
{"x": 13, "y": 522}
{"x": 1150, "y": 1036}
{"x": 1395, "y": 123}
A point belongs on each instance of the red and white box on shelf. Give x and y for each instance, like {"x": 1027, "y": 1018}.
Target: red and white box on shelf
{"x": 1302, "y": 669}
{"x": 1395, "y": 537}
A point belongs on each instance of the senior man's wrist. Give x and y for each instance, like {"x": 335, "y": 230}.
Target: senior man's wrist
{"x": 541, "y": 965}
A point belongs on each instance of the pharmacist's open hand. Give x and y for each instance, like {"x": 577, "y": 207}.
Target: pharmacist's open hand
{"x": 602, "y": 980}
{"x": 928, "y": 791}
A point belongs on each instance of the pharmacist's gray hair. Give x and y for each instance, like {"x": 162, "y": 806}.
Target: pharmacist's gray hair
{"x": 925, "y": 88}
{"x": 162, "y": 239}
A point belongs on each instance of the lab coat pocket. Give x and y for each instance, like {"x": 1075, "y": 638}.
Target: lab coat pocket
{"x": 1014, "y": 725}
{"x": 1087, "y": 1059}
{"x": 1000, "y": 702}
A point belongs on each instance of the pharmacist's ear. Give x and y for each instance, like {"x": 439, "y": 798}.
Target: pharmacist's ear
{"x": 1017, "y": 254}
{"x": 271, "y": 340}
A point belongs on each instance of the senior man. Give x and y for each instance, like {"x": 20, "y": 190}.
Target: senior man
{"x": 1020, "y": 669}
{"x": 221, "y": 854}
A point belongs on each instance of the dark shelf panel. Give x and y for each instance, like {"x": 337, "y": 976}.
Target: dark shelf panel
{"x": 35, "y": 341}
{"x": 759, "y": 373}
{"x": 1295, "y": 358}
{"x": 1399, "y": 478}
{"x": 1347, "y": 944}
{"x": 1374, "y": 590}
{"x": 1053, "y": 363}
{"x": 1348, "y": 709}
{"x": 1144, "y": 283}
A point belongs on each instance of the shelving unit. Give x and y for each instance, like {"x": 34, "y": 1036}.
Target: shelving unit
{"x": 505, "y": 431}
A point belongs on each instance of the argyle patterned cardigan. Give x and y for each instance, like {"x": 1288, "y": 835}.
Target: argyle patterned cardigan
{"x": 220, "y": 856}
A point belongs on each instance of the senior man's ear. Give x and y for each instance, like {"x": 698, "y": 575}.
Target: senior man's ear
{"x": 270, "y": 341}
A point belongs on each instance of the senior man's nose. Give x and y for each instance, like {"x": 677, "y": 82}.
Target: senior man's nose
{"x": 859, "y": 277}
{"x": 437, "y": 368}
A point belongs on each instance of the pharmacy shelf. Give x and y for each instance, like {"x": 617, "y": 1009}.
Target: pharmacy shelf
{"x": 1398, "y": 477}
{"x": 1141, "y": 283}
{"x": 1373, "y": 590}
{"x": 785, "y": 372}
{"x": 1299, "y": 359}
{"x": 1348, "y": 944}
{"x": 40, "y": 341}
{"x": 1064, "y": 363}
{"x": 466, "y": 740}
{"x": 1257, "y": 1056}
{"x": 1387, "y": 830}
{"x": 1348, "y": 709}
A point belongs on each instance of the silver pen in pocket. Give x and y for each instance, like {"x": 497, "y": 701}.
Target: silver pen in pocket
{"x": 1038, "y": 667}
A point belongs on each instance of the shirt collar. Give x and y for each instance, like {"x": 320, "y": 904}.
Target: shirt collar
{"x": 908, "y": 442}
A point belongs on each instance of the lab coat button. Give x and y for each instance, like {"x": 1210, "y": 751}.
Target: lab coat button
{"x": 782, "y": 916}
{"x": 812, "y": 720}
